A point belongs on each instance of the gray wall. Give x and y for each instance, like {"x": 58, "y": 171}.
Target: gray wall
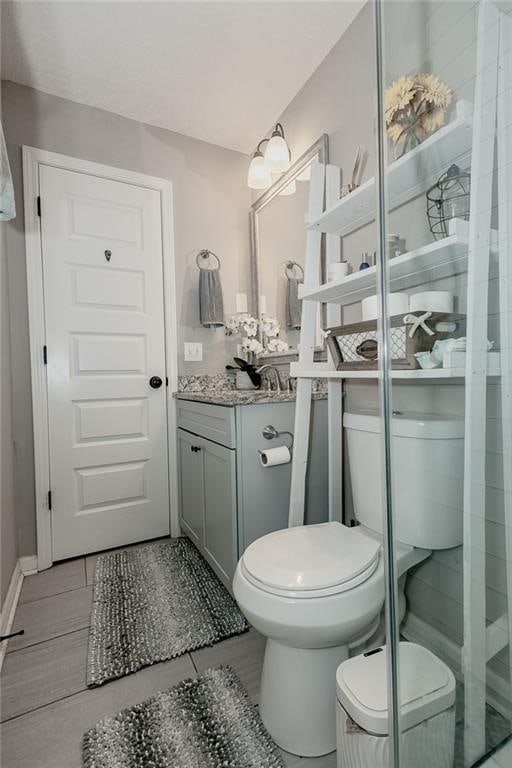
{"x": 8, "y": 542}
{"x": 424, "y": 36}
{"x": 211, "y": 203}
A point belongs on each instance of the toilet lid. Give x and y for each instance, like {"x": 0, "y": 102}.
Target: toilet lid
{"x": 311, "y": 557}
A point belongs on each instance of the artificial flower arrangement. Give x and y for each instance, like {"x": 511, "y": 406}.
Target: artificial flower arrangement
{"x": 415, "y": 107}
{"x": 247, "y": 326}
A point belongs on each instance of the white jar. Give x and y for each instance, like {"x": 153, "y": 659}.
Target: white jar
{"x": 337, "y": 270}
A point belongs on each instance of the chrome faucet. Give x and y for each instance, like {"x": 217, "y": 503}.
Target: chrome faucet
{"x": 276, "y": 375}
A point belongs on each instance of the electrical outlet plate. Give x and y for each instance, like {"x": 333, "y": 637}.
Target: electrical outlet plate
{"x": 193, "y": 352}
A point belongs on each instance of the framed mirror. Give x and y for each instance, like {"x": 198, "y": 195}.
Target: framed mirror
{"x": 278, "y": 248}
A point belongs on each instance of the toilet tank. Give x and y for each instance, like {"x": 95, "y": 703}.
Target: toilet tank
{"x": 427, "y": 470}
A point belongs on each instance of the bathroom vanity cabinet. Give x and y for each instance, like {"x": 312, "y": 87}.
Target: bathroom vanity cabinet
{"x": 227, "y": 498}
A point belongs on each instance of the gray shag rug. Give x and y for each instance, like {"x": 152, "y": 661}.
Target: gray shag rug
{"x": 208, "y": 722}
{"x": 152, "y": 604}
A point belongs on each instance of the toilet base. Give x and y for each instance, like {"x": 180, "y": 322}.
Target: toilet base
{"x": 298, "y": 697}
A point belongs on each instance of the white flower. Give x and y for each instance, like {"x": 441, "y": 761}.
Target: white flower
{"x": 232, "y": 324}
{"x": 270, "y": 326}
{"x": 250, "y": 325}
{"x": 252, "y": 345}
{"x": 277, "y": 345}
{"x": 242, "y": 323}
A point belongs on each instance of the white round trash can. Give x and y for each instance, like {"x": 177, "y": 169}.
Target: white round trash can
{"x": 427, "y": 700}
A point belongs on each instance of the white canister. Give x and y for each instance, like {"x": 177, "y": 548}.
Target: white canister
{"x": 337, "y": 270}
{"x": 398, "y": 304}
{"x": 431, "y": 301}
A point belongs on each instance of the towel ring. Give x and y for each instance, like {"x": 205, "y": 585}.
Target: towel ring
{"x": 290, "y": 266}
{"x": 205, "y": 255}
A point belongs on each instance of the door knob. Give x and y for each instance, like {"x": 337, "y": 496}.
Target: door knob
{"x": 155, "y": 382}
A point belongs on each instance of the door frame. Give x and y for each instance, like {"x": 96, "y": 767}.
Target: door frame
{"x": 33, "y": 158}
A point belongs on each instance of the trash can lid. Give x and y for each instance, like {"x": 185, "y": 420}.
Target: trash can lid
{"x": 427, "y": 687}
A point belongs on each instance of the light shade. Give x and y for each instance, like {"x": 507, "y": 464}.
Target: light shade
{"x": 258, "y": 176}
{"x": 277, "y": 153}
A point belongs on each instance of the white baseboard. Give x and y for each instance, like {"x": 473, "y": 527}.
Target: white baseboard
{"x": 418, "y": 631}
{"x": 9, "y": 607}
{"x": 28, "y": 565}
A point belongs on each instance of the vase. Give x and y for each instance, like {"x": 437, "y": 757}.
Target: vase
{"x": 409, "y": 140}
{"x": 243, "y": 381}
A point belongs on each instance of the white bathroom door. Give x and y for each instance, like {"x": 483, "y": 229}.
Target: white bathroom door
{"x": 104, "y": 313}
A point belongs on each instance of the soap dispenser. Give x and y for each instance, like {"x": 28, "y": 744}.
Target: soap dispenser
{"x": 365, "y": 261}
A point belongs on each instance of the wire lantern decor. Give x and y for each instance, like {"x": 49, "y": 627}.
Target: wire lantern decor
{"x": 448, "y": 199}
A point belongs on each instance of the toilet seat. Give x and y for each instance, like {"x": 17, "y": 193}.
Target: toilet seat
{"x": 311, "y": 561}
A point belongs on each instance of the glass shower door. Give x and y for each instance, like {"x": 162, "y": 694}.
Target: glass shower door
{"x": 444, "y": 234}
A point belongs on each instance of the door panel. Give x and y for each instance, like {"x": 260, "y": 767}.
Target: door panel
{"x": 110, "y": 485}
{"x": 102, "y": 264}
{"x": 192, "y": 486}
{"x": 111, "y": 420}
{"x": 120, "y": 290}
{"x": 220, "y": 526}
{"x": 108, "y": 354}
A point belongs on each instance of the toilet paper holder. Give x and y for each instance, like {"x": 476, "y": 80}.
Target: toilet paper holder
{"x": 269, "y": 433}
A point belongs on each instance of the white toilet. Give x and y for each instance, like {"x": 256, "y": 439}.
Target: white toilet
{"x": 316, "y": 592}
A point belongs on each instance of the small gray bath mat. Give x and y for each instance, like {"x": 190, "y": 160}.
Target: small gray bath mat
{"x": 152, "y": 604}
{"x": 208, "y": 722}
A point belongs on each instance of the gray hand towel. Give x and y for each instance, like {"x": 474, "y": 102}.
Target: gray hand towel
{"x": 211, "y": 305}
{"x": 7, "y": 206}
{"x": 293, "y": 304}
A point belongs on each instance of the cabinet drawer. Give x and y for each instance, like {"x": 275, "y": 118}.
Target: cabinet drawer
{"x": 214, "y": 422}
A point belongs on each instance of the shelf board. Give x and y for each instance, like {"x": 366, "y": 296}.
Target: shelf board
{"x": 407, "y": 177}
{"x": 443, "y": 258}
{"x": 325, "y": 372}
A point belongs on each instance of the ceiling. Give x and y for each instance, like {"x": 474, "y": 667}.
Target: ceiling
{"x": 218, "y": 71}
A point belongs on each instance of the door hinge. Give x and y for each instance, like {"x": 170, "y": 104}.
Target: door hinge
{"x": 39, "y": 205}
{"x": 166, "y": 381}
{"x": 49, "y": 499}
{"x": 45, "y": 355}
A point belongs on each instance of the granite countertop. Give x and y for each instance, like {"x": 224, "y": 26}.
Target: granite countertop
{"x": 232, "y": 397}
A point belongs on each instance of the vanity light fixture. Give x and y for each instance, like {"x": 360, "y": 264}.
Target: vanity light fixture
{"x": 259, "y": 175}
{"x": 277, "y": 152}
{"x": 275, "y": 161}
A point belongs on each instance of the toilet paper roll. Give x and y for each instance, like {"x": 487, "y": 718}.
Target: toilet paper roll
{"x": 432, "y": 301}
{"x": 274, "y": 456}
{"x": 398, "y": 304}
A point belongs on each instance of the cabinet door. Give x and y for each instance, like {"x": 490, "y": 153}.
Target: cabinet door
{"x": 191, "y": 485}
{"x": 220, "y": 521}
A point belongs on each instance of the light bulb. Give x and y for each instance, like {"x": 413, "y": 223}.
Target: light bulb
{"x": 258, "y": 176}
{"x": 277, "y": 153}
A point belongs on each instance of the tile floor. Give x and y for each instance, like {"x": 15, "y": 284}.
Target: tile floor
{"x": 45, "y": 705}
{"x": 500, "y": 759}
